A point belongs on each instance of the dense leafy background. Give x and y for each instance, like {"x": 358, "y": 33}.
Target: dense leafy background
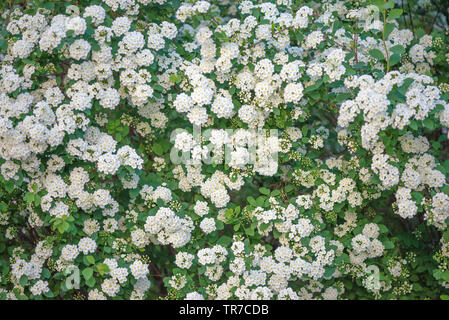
{"x": 362, "y": 171}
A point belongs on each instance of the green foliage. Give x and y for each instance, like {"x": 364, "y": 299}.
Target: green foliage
{"x": 105, "y": 180}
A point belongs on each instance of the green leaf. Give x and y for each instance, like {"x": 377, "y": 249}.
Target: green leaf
{"x": 264, "y": 191}
{"x": 65, "y": 225}
{"x": 417, "y": 196}
{"x": 329, "y": 272}
{"x": 251, "y": 201}
{"x": 388, "y": 244}
{"x": 49, "y": 294}
{"x": 219, "y": 224}
{"x": 3, "y": 44}
{"x": 87, "y": 273}
{"x": 29, "y": 197}
{"x": 376, "y": 54}
{"x": 102, "y": 268}
{"x": 23, "y": 280}
{"x": 414, "y": 125}
{"x": 37, "y": 200}
{"x": 429, "y": 124}
{"x": 224, "y": 241}
{"x": 173, "y": 78}
{"x": 382, "y": 228}
{"x": 49, "y": 5}
{"x": 264, "y": 226}
{"x": 446, "y": 236}
{"x": 60, "y": 227}
{"x": 9, "y": 186}
{"x": 95, "y": 46}
{"x": 46, "y": 273}
{"x": 304, "y": 131}
{"x": 378, "y": 3}
{"x": 134, "y": 193}
{"x": 90, "y": 259}
{"x": 388, "y": 29}
{"x": 158, "y": 87}
{"x": 388, "y": 5}
{"x": 249, "y": 231}
{"x": 157, "y": 148}
{"x": 445, "y": 275}
{"x": 437, "y": 274}
{"x": 261, "y": 201}
{"x": 394, "y": 14}
{"x": 91, "y": 282}
{"x": 394, "y": 59}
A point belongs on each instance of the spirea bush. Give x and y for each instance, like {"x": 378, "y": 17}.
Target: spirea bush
{"x": 285, "y": 149}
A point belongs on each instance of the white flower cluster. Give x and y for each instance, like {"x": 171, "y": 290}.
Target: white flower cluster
{"x": 168, "y": 228}
{"x": 92, "y": 100}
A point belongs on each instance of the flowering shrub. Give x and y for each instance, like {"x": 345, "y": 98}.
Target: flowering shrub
{"x": 224, "y": 150}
